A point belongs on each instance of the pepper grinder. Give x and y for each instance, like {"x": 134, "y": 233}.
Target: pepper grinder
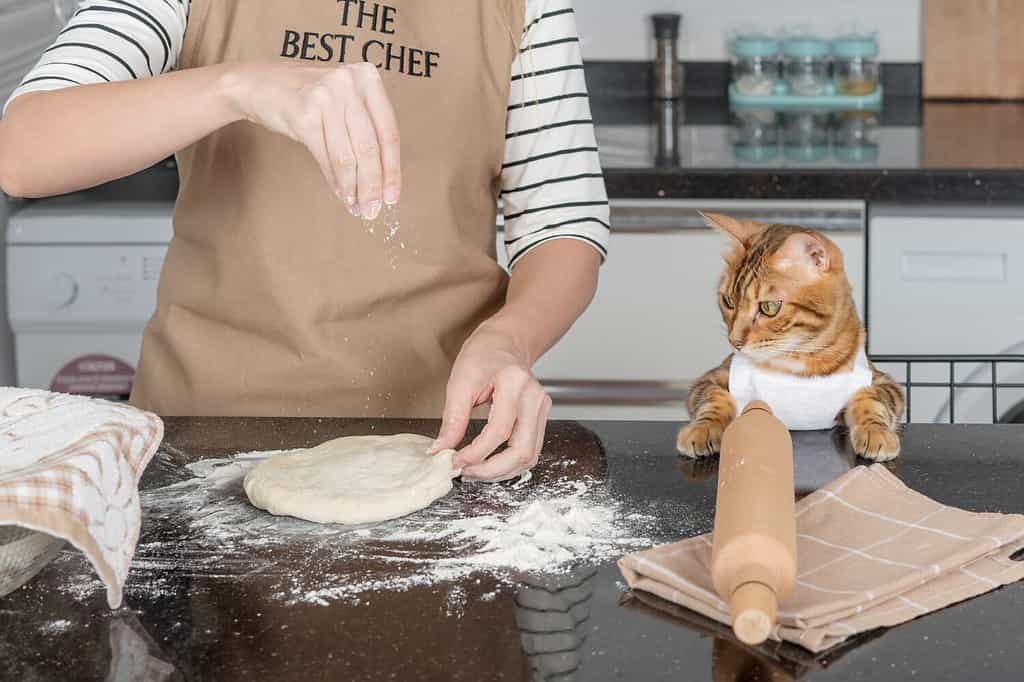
{"x": 668, "y": 71}
{"x": 668, "y": 114}
{"x": 668, "y": 89}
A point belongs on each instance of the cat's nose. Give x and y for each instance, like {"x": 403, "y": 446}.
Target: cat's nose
{"x": 737, "y": 341}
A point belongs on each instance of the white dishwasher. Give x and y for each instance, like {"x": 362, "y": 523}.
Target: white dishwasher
{"x": 654, "y": 325}
{"x": 944, "y": 308}
{"x": 81, "y": 281}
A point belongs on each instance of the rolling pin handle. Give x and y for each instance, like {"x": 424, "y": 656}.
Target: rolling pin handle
{"x": 753, "y": 607}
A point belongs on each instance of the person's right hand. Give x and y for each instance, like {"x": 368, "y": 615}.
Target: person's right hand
{"x": 342, "y": 114}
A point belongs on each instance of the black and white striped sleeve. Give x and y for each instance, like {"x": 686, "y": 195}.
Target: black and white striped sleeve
{"x": 552, "y": 185}
{"x": 111, "y": 40}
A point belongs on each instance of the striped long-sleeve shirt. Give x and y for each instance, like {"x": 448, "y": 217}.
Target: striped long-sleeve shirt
{"x": 551, "y": 179}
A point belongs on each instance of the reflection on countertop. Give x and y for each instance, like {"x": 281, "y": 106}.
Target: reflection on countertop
{"x": 762, "y": 139}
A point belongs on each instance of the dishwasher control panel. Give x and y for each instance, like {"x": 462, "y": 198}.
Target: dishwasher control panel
{"x": 57, "y": 284}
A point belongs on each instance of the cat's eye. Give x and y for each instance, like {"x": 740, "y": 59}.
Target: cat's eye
{"x": 770, "y": 308}
{"x": 727, "y": 302}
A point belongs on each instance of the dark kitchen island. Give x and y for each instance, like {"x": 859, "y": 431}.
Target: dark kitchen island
{"x": 226, "y": 619}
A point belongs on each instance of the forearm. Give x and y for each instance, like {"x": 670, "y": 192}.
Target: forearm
{"x": 63, "y": 140}
{"x": 550, "y": 287}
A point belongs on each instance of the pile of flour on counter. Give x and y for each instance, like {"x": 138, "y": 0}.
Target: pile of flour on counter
{"x": 504, "y": 531}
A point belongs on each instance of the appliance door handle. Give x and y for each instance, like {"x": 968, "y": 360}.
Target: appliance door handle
{"x": 670, "y": 216}
{"x": 615, "y": 392}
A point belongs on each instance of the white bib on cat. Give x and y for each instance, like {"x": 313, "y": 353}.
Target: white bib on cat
{"x": 801, "y": 403}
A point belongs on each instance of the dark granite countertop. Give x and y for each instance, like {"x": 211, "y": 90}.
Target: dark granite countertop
{"x": 220, "y": 620}
{"x": 911, "y": 151}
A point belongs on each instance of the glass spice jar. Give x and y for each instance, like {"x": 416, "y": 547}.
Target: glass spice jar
{"x": 856, "y": 64}
{"x": 805, "y": 135}
{"x": 755, "y": 64}
{"x": 755, "y": 136}
{"x": 806, "y": 65}
{"x": 856, "y": 136}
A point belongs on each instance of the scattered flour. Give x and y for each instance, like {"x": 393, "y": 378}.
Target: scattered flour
{"x": 204, "y": 526}
{"x": 55, "y": 627}
{"x": 523, "y": 479}
{"x": 544, "y": 533}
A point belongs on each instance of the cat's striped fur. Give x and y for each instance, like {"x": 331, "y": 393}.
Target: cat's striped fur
{"x": 814, "y": 331}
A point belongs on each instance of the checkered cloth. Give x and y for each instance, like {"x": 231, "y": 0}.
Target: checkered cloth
{"x": 871, "y": 552}
{"x": 70, "y": 466}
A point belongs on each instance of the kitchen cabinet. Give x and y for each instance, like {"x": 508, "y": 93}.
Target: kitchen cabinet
{"x": 654, "y": 325}
{"x": 972, "y": 49}
{"x": 947, "y": 282}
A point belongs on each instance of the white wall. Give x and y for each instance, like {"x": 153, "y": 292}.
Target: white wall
{"x": 621, "y": 29}
{"x": 27, "y": 27}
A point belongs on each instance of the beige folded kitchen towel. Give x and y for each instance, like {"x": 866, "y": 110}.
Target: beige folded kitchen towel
{"x": 70, "y": 466}
{"x": 871, "y": 552}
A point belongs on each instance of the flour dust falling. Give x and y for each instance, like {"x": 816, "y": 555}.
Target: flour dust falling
{"x": 387, "y": 224}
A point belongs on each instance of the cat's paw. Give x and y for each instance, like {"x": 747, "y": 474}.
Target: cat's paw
{"x": 874, "y": 443}
{"x": 700, "y": 438}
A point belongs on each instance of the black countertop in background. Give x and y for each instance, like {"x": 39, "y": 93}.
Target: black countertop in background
{"x": 223, "y": 622}
{"x": 927, "y": 152}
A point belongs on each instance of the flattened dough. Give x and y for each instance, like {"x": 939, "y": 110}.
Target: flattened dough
{"x": 355, "y": 479}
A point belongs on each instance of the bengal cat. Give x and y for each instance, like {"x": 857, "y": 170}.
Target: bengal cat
{"x": 787, "y": 305}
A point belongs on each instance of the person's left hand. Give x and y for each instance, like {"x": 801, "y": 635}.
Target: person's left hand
{"x": 490, "y": 368}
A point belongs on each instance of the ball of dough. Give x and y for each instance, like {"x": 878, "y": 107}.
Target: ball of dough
{"x": 355, "y": 479}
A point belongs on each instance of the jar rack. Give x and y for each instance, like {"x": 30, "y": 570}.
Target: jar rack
{"x": 828, "y": 101}
{"x": 805, "y": 71}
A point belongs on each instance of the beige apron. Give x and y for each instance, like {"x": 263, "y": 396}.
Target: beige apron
{"x": 273, "y": 300}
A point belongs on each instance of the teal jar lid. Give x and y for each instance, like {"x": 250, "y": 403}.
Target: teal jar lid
{"x": 755, "y": 45}
{"x": 853, "y": 46}
{"x": 810, "y": 152}
{"x": 856, "y": 153}
{"x": 805, "y": 46}
{"x": 755, "y": 153}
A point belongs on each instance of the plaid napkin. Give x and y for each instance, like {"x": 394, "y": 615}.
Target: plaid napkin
{"x": 70, "y": 466}
{"x": 871, "y": 552}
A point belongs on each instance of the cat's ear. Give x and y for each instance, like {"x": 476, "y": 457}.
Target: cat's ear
{"x": 803, "y": 256}
{"x": 740, "y": 230}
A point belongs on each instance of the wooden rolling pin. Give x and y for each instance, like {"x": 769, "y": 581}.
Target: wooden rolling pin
{"x": 753, "y": 554}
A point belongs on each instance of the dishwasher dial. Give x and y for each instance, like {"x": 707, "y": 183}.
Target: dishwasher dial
{"x": 63, "y": 290}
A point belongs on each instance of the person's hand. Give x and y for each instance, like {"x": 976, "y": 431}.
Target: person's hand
{"x": 342, "y": 114}
{"x": 490, "y": 368}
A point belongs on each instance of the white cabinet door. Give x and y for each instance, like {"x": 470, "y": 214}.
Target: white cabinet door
{"x": 937, "y": 280}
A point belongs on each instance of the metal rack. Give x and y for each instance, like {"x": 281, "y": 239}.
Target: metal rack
{"x": 993, "y": 362}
